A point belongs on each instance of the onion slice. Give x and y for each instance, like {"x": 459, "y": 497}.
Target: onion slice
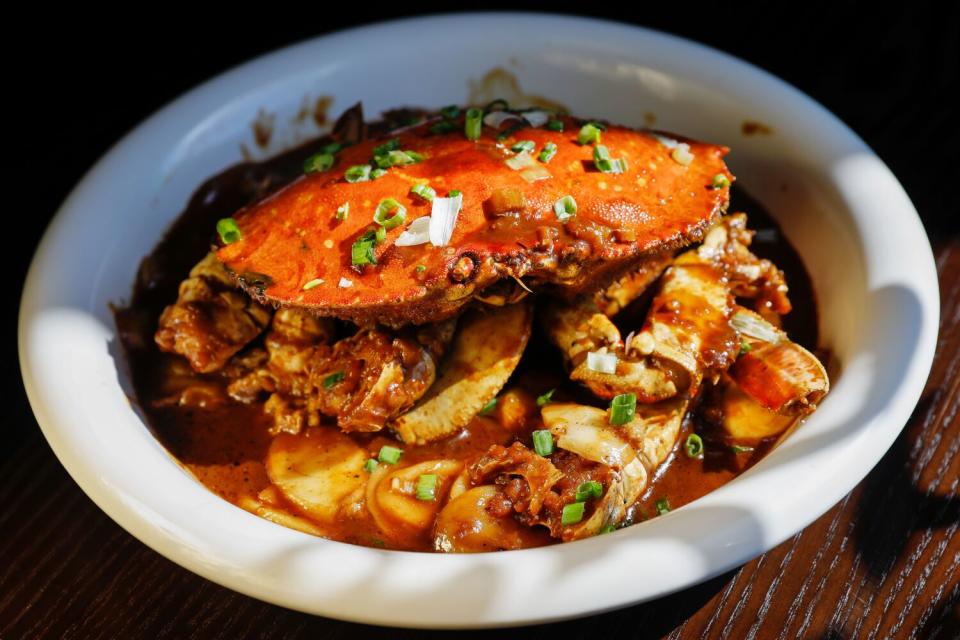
{"x": 417, "y": 233}
{"x": 496, "y": 118}
{"x": 536, "y": 118}
{"x": 443, "y": 218}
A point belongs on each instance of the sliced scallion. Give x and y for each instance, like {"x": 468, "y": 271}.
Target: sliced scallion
{"x": 318, "y": 162}
{"x": 489, "y": 407}
{"x": 589, "y": 489}
{"x": 389, "y": 213}
{"x": 555, "y": 125}
{"x": 546, "y": 398}
{"x": 331, "y": 380}
{"x": 663, "y": 506}
{"x": 361, "y": 253}
{"x": 720, "y": 181}
{"x": 371, "y": 465}
{"x": 589, "y": 134}
{"x": 316, "y": 282}
{"x": 343, "y": 211}
{"x": 389, "y": 455}
{"x": 543, "y": 442}
{"x": 523, "y": 145}
{"x": 608, "y": 528}
{"x": 229, "y": 230}
{"x": 378, "y": 173}
{"x": 693, "y": 446}
{"x": 739, "y": 448}
{"x": 565, "y": 208}
{"x": 427, "y": 487}
{"x": 383, "y": 149}
{"x": 606, "y": 164}
{"x": 572, "y": 513}
{"x": 357, "y": 173}
{"x": 546, "y": 154}
{"x": 622, "y": 408}
{"x": 424, "y": 191}
{"x": 474, "y": 124}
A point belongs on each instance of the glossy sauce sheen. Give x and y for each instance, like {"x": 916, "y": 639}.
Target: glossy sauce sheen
{"x": 224, "y": 445}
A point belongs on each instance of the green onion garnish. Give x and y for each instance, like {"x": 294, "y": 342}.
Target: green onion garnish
{"x": 318, "y": 162}
{"x": 663, "y": 506}
{"x": 549, "y": 150}
{"x": 543, "y": 442}
{"x": 386, "y": 207}
{"x": 489, "y": 407}
{"x": 331, "y": 380}
{"x": 694, "y": 446}
{"x": 555, "y": 125}
{"x": 357, "y": 173}
{"x": 425, "y": 192}
{"x": 332, "y": 148}
{"x": 622, "y": 408}
{"x": 343, "y": 211}
{"x": 739, "y": 448}
{"x": 589, "y": 489}
{"x": 545, "y": 398}
{"x": 390, "y": 145}
{"x": 427, "y": 487}
{"x": 229, "y": 230}
{"x": 606, "y": 164}
{"x": 453, "y": 193}
{"x": 589, "y": 133}
{"x": 441, "y": 128}
{"x": 608, "y": 528}
{"x": 572, "y": 513}
{"x": 523, "y": 145}
{"x": 370, "y": 466}
{"x": 565, "y": 208}
{"x": 361, "y": 252}
{"x": 316, "y": 282}
{"x": 389, "y": 455}
{"x": 421, "y": 268}
{"x": 473, "y": 124}
{"x": 377, "y": 173}
{"x": 745, "y": 348}
{"x": 380, "y": 234}
{"x": 395, "y": 158}
{"x": 450, "y": 112}
{"x": 720, "y": 181}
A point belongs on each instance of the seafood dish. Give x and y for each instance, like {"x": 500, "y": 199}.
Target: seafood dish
{"x": 473, "y": 329}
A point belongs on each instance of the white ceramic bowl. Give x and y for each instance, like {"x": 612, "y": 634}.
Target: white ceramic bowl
{"x": 850, "y": 219}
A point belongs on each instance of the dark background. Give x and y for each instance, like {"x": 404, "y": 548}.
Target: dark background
{"x": 83, "y": 80}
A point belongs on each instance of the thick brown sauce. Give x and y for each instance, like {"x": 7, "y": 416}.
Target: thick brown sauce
{"x": 225, "y": 444}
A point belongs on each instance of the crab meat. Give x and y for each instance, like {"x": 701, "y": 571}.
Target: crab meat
{"x": 293, "y": 236}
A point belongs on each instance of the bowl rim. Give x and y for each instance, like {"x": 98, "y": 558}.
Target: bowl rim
{"x": 228, "y": 566}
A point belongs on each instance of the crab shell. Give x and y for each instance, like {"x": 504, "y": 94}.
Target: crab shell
{"x": 293, "y": 237}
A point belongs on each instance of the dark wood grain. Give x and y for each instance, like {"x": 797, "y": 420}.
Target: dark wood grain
{"x": 884, "y": 562}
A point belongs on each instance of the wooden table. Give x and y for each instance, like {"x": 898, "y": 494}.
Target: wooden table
{"x": 885, "y": 562}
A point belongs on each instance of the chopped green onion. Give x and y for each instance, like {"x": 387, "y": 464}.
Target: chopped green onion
{"x": 450, "y": 112}
{"x": 489, "y": 407}
{"x": 720, "y": 181}
{"x": 589, "y": 133}
{"x": 663, "y": 506}
{"x": 589, "y": 489}
{"x": 549, "y": 150}
{"x": 606, "y": 164}
{"x": 357, "y": 173}
{"x": 421, "y": 268}
{"x": 425, "y": 192}
{"x": 474, "y": 124}
{"x": 555, "y": 125}
{"x": 745, "y": 348}
{"x": 738, "y": 448}
{"x": 443, "y": 127}
{"x": 523, "y": 145}
{"x": 608, "y": 528}
{"x": 565, "y": 208}
{"x": 384, "y": 208}
{"x": 389, "y": 455}
{"x": 316, "y": 282}
{"x": 361, "y": 252}
{"x": 332, "y": 148}
{"x": 318, "y": 162}
{"x": 380, "y": 234}
{"x": 543, "y": 442}
{"x": 331, "y": 380}
{"x": 395, "y": 158}
{"x": 572, "y": 513}
{"x": 453, "y": 193}
{"x": 370, "y": 466}
{"x": 545, "y": 399}
{"x": 390, "y": 145}
{"x": 343, "y": 211}
{"x": 377, "y": 173}
{"x": 427, "y": 487}
{"x": 694, "y": 446}
{"x": 229, "y": 230}
{"x": 622, "y": 408}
